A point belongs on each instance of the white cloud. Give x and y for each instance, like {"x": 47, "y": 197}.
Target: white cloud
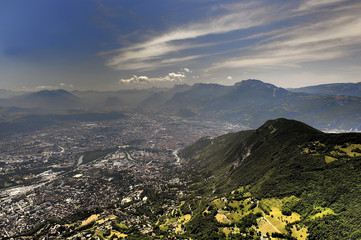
{"x": 187, "y": 70}
{"x": 171, "y": 77}
{"x": 135, "y": 79}
{"x": 177, "y": 75}
{"x": 229, "y": 78}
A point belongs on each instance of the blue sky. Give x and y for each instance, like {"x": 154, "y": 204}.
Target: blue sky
{"x": 117, "y": 44}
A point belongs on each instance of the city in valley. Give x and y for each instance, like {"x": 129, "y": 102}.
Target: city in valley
{"x": 203, "y": 120}
{"x": 63, "y": 170}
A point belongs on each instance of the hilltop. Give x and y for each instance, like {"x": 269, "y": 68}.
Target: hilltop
{"x": 283, "y": 160}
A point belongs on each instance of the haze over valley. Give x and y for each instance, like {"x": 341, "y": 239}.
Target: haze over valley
{"x": 180, "y": 119}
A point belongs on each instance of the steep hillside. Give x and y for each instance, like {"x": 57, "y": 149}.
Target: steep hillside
{"x": 287, "y": 159}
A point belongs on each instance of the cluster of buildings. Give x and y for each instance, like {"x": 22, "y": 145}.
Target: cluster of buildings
{"x": 42, "y": 176}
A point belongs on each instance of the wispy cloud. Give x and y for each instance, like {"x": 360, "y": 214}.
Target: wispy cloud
{"x": 256, "y": 34}
{"x": 353, "y": 68}
{"x": 329, "y": 38}
{"x": 311, "y": 4}
{"x": 165, "y": 49}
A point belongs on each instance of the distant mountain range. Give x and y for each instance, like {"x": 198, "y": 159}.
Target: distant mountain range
{"x": 248, "y": 103}
{"x": 49, "y": 100}
{"x": 345, "y": 89}
{"x": 291, "y": 169}
{"x": 252, "y": 102}
{"x": 34, "y": 111}
{"x": 61, "y": 100}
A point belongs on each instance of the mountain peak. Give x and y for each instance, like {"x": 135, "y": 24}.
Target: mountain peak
{"x": 257, "y": 88}
{"x": 254, "y": 83}
{"x": 51, "y": 94}
{"x": 48, "y": 99}
{"x": 283, "y": 125}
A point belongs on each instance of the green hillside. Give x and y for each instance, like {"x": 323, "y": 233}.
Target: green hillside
{"x": 290, "y": 170}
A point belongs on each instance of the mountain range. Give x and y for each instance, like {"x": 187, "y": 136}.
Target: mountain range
{"x": 333, "y": 107}
{"x": 346, "y": 89}
{"x": 252, "y": 102}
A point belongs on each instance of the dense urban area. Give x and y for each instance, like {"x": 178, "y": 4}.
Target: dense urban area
{"x": 65, "y": 169}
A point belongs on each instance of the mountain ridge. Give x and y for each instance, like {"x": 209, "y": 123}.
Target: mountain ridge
{"x": 252, "y": 102}
{"x": 345, "y": 89}
{"x": 249, "y": 103}
{"x": 286, "y": 159}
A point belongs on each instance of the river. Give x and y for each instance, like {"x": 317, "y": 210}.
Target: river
{"x": 80, "y": 160}
{"x": 175, "y": 153}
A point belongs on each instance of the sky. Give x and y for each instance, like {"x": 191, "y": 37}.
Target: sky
{"x": 124, "y": 44}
